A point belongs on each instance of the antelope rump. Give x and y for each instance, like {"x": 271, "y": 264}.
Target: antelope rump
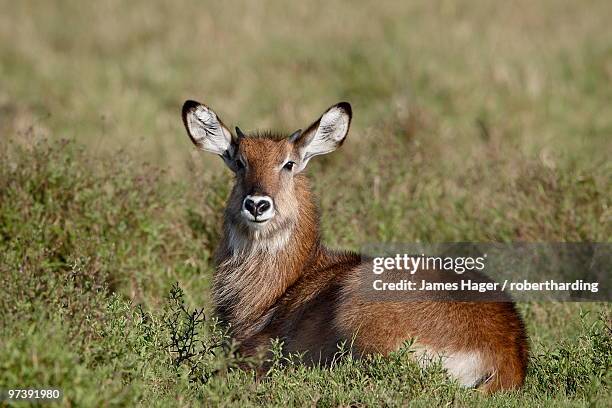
{"x": 274, "y": 278}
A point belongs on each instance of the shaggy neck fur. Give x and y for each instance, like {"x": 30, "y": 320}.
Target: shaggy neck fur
{"x": 255, "y": 268}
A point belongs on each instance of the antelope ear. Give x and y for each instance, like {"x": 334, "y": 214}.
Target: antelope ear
{"x": 326, "y": 134}
{"x": 207, "y": 131}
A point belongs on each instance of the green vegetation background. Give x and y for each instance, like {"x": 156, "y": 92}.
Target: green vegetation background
{"x": 474, "y": 121}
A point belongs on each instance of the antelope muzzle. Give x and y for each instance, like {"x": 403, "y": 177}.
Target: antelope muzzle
{"x": 257, "y": 209}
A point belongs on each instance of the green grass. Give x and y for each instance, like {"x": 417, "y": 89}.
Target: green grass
{"x": 475, "y": 122}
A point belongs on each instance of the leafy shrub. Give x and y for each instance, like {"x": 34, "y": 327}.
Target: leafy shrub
{"x": 576, "y": 367}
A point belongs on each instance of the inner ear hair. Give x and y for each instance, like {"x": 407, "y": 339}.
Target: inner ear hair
{"x": 206, "y": 129}
{"x": 327, "y": 133}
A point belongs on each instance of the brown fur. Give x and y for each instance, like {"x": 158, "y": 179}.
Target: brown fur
{"x": 281, "y": 282}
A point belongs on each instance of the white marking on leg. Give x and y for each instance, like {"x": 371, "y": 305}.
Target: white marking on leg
{"x": 466, "y": 366}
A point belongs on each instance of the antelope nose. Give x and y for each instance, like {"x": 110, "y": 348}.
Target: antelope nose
{"x": 257, "y": 205}
{"x": 261, "y": 207}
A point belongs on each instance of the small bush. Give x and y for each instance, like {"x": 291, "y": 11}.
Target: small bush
{"x": 576, "y": 367}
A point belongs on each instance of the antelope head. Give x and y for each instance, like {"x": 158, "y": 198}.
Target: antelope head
{"x": 268, "y": 168}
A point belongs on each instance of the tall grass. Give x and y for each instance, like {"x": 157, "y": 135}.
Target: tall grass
{"x": 473, "y": 122}
{"x": 91, "y": 250}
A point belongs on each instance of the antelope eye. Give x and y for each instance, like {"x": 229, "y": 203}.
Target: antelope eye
{"x": 289, "y": 165}
{"x": 240, "y": 164}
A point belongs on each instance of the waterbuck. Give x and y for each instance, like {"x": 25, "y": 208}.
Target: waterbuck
{"x": 275, "y": 279}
